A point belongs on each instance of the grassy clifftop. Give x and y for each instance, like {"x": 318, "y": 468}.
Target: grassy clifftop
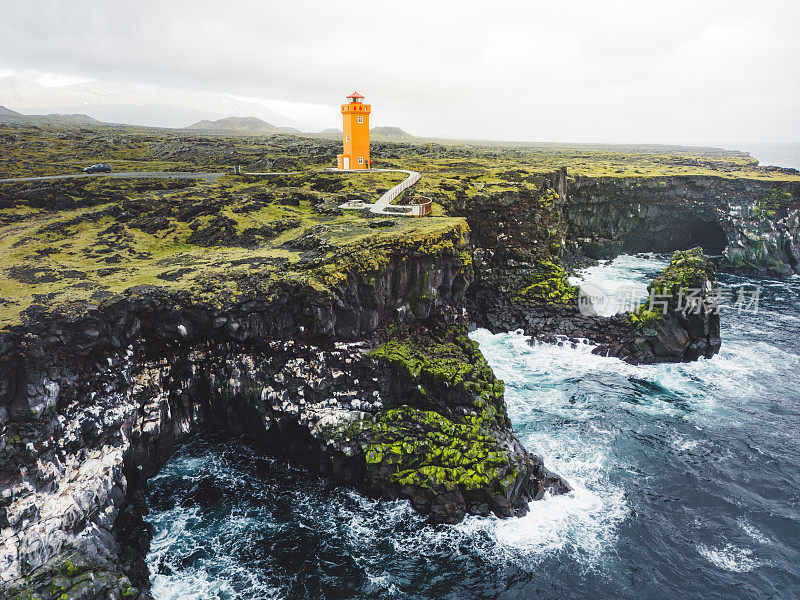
{"x": 69, "y": 244}
{"x": 81, "y": 240}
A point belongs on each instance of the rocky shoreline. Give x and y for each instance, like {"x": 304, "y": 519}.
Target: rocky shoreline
{"x": 370, "y": 379}
{"x": 675, "y": 333}
{"x": 376, "y": 386}
{"x": 753, "y": 224}
{"x": 413, "y": 413}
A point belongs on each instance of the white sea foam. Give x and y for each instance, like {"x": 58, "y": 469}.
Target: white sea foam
{"x": 583, "y": 523}
{"x": 753, "y": 531}
{"x": 536, "y": 377}
{"x": 620, "y": 284}
{"x": 192, "y": 466}
{"x": 538, "y": 380}
{"x": 683, "y": 444}
{"x": 384, "y": 583}
{"x": 172, "y": 580}
{"x": 730, "y": 557}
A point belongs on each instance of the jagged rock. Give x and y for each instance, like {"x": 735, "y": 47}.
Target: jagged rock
{"x": 753, "y": 223}
{"x": 676, "y": 325}
{"x": 641, "y": 337}
{"x": 100, "y": 398}
{"x": 76, "y": 575}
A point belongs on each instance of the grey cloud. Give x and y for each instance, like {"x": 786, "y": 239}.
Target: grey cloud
{"x": 585, "y": 71}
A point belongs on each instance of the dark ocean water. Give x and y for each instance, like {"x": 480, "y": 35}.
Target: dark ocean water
{"x": 687, "y": 485}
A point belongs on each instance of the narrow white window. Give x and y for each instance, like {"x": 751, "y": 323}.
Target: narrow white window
{"x": 361, "y": 160}
{"x": 360, "y": 118}
{"x": 347, "y": 138}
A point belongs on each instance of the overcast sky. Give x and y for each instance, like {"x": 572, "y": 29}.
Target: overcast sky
{"x": 596, "y": 71}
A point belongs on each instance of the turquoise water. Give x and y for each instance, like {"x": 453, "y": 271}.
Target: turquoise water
{"x": 686, "y": 477}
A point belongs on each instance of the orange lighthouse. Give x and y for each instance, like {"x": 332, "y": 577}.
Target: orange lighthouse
{"x": 355, "y": 134}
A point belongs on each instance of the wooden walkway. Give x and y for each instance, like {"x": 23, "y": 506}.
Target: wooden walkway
{"x": 383, "y": 205}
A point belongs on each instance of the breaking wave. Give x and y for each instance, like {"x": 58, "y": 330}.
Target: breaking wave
{"x": 677, "y": 469}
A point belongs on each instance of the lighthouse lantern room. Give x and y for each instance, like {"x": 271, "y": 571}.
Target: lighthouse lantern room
{"x": 355, "y": 134}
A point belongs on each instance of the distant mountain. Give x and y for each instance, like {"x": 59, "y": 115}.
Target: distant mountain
{"x": 241, "y": 125}
{"x": 9, "y": 116}
{"x": 59, "y": 119}
{"x": 135, "y": 104}
{"x": 394, "y": 132}
{"x": 331, "y": 130}
{"x": 251, "y": 124}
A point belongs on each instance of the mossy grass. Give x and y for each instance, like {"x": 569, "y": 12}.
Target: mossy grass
{"x": 68, "y": 241}
{"x": 30, "y": 151}
{"x": 72, "y": 574}
{"x": 445, "y": 363}
{"x": 67, "y": 244}
{"x": 771, "y": 204}
{"x": 550, "y": 285}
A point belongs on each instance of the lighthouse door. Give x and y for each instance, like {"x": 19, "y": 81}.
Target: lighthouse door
{"x": 346, "y": 162}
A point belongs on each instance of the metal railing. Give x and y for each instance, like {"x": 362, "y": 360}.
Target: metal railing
{"x": 384, "y": 201}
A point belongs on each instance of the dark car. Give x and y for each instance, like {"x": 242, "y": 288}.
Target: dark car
{"x": 98, "y": 168}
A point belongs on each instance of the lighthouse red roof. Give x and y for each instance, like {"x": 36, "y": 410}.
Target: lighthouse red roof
{"x": 355, "y": 95}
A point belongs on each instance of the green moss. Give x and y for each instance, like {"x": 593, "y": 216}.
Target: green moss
{"x": 550, "y": 285}
{"x": 447, "y": 368}
{"x": 358, "y": 251}
{"x": 425, "y": 449}
{"x": 458, "y": 169}
{"x": 687, "y": 270}
{"x": 30, "y": 151}
{"x": 548, "y": 199}
{"x": 70, "y": 569}
{"x": 216, "y": 242}
{"x": 72, "y": 574}
{"x": 441, "y": 437}
{"x": 767, "y": 206}
{"x": 643, "y": 317}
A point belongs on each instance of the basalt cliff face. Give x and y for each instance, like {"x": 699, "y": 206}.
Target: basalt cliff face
{"x": 523, "y": 236}
{"x": 335, "y": 341}
{"x": 753, "y": 223}
{"x": 374, "y": 384}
